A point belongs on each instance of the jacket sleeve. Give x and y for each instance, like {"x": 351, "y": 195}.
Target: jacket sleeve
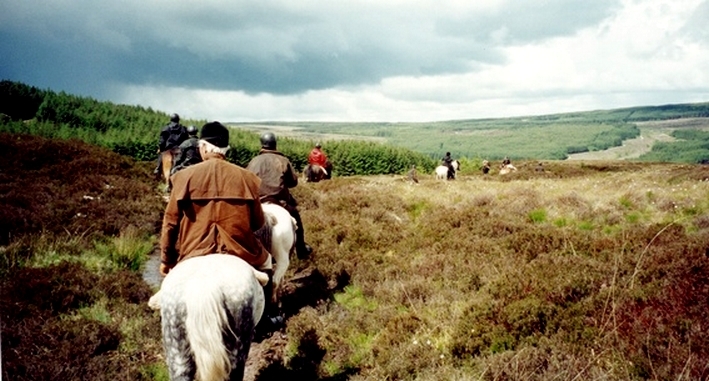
{"x": 170, "y": 230}
{"x": 290, "y": 178}
{"x": 162, "y": 141}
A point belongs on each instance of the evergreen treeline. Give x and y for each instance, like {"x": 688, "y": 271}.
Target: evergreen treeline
{"x": 692, "y": 146}
{"x": 134, "y": 130}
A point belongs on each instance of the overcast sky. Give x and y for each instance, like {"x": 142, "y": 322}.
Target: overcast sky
{"x": 365, "y": 60}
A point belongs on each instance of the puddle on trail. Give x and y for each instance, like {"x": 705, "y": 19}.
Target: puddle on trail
{"x": 151, "y": 271}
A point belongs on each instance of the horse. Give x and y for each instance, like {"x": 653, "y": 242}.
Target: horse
{"x": 507, "y": 168}
{"x": 442, "y": 170}
{"x": 167, "y": 159}
{"x": 282, "y": 241}
{"x": 314, "y": 173}
{"x": 209, "y": 307}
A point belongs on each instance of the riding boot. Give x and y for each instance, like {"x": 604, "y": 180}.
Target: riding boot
{"x": 302, "y": 249}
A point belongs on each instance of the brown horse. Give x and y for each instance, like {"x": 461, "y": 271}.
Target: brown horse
{"x": 314, "y": 173}
{"x": 168, "y": 158}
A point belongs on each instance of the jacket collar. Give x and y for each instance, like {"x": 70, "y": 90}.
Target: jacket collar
{"x": 263, "y": 151}
{"x": 213, "y": 155}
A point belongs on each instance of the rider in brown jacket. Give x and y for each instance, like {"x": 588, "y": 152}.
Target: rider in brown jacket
{"x": 214, "y": 207}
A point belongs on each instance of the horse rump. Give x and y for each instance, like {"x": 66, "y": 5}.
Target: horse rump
{"x": 314, "y": 173}
{"x": 209, "y": 307}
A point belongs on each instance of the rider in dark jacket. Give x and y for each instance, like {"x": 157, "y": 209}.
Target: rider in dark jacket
{"x": 277, "y": 177}
{"x": 171, "y": 136}
{"x": 189, "y": 151}
{"x": 448, "y": 162}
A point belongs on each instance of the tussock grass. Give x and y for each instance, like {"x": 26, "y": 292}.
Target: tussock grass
{"x": 76, "y": 221}
{"x": 584, "y": 271}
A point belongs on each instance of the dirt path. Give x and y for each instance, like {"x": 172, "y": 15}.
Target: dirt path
{"x": 631, "y": 149}
{"x": 650, "y": 132}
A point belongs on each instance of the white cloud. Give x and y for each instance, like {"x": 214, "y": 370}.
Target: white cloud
{"x": 380, "y": 60}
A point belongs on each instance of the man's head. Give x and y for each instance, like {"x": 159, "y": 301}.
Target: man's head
{"x": 317, "y": 145}
{"x": 268, "y": 141}
{"x": 192, "y": 130}
{"x": 174, "y": 118}
{"x": 216, "y": 134}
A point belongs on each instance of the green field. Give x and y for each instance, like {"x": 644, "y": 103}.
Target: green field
{"x": 550, "y": 137}
{"x": 133, "y": 130}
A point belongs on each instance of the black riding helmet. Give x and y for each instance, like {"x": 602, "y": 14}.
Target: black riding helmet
{"x": 268, "y": 141}
{"x": 192, "y": 130}
{"x": 174, "y": 118}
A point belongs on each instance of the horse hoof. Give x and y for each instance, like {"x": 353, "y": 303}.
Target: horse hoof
{"x": 304, "y": 252}
{"x": 276, "y": 321}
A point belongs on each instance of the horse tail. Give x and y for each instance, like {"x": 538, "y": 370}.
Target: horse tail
{"x": 206, "y": 320}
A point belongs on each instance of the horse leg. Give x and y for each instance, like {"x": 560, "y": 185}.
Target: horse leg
{"x": 238, "y": 341}
{"x": 180, "y": 363}
{"x": 282, "y": 243}
{"x": 166, "y": 166}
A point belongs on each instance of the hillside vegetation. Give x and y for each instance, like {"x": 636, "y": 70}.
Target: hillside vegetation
{"x": 551, "y": 137}
{"x": 133, "y": 131}
{"x": 582, "y": 271}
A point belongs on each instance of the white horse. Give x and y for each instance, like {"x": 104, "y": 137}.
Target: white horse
{"x": 442, "y": 170}
{"x": 209, "y": 307}
{"x": 283, "y": 227}
{"x": 507, "y": 168}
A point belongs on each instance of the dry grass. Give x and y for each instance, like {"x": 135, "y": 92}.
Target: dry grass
{"x": 584, "y": 271}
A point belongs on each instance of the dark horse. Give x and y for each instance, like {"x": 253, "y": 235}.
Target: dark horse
{"x": 314, "y": 173}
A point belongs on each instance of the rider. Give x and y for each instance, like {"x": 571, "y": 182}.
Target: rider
{"x": 448, "y": 162}
{"x": 277, "y": 176}
{"x": 486, "y": 167}
{"x": 214, "y": 207}
{"x": 171, "y": 136}
{"x": 189, "y": 151}
{"x": 318, "y": 157}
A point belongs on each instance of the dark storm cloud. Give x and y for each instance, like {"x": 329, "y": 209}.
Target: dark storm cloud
{"x": 262, "y": 48}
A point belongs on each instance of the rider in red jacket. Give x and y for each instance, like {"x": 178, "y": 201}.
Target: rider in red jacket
{"x": 317, "y": 156}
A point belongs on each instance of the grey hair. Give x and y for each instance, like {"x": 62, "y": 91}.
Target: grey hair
{"x": 211, "y": 148}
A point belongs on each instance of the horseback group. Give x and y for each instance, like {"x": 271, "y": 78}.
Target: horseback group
{"x": 224, "y": 245}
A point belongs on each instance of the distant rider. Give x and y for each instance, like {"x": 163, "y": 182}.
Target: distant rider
{"x": 318, "y": 157}
{"x": 189, "y": 151}
{"x": 448, "y": 162}
{"x": 171, "y": 136}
